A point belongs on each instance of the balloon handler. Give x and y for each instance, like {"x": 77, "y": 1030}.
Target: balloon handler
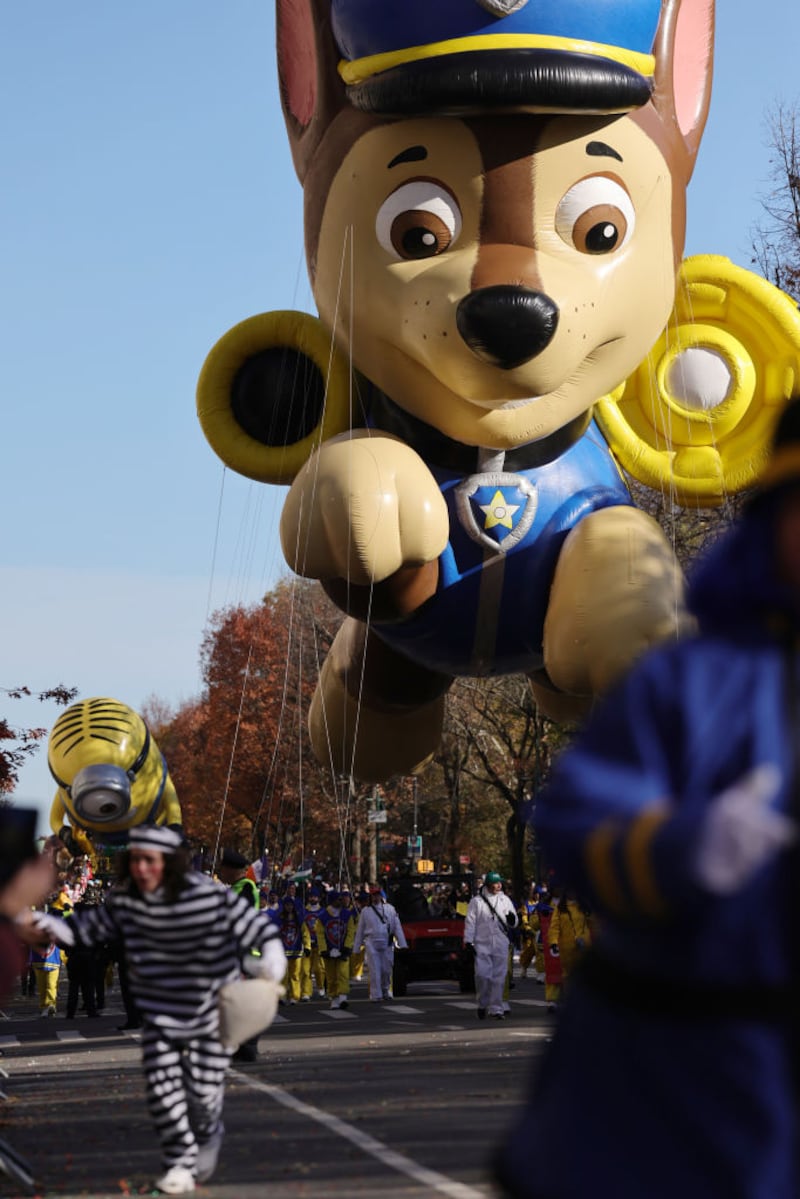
{"x": 674, "y": 814}
{"x": 184, "y": 937}
{"x": 488, "y": 925}
{"x": 378, "y": 931}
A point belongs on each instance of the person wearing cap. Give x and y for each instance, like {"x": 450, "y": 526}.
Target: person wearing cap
{"x": 313, "y": 969}
{"x": 674, "y": 815}
{"x": 488, "y": 926}
{"x": 232, "y": 872}
{"x": 184, "y": 937}
{"x": 296, "y": 940}
{"x": 377, "y": 932}
{"x": 569, "y": 934}
{"x": 355, "y": 903}
{"x": 527, "y": 928}
{"x": 271, "y": 903}
{"x": 339, "y": 930}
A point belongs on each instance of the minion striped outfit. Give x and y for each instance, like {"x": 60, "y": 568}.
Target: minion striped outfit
{"x": 179, "y": 954}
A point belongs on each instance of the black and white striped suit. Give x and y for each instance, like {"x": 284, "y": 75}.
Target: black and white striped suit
{"x": 179, "y": 954}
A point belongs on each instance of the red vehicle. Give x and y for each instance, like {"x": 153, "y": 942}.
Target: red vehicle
{"x": 434, "y": 931}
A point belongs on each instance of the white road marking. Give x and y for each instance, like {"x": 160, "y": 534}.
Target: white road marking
{"x": 70, "y": 1034}
{"x": 337, "y": 1013}
{"x": 432, "y": 1179}
{"x": 9, "y": 1041}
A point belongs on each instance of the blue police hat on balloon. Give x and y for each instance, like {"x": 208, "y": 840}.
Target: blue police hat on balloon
{"x": 458, "y": 56}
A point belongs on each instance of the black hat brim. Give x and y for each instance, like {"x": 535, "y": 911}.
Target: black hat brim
{"x": 520, "y": 80}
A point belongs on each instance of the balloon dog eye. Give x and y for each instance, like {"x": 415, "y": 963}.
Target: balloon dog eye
{"x": 419, "y": 220}
{"x": 595, "y": 216}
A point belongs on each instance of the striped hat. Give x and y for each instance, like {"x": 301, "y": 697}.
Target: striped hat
{"x": 458, "y": 56}
{"x": 155, "y": 836}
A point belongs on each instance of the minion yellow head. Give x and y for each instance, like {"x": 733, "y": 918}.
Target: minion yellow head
{"x": 110, "y": 772}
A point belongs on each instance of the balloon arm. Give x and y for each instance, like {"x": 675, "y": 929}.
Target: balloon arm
{"x": 364, "y": 507}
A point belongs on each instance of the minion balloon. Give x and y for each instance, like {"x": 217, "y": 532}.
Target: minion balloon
{"x": 111, "y": 775}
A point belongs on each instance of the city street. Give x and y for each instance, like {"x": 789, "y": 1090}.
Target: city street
{"x": 400, "y": 1100}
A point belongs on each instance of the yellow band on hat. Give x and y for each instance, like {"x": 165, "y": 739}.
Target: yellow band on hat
{"x": 361, "y": 69}
{"x": 783, "y": 466}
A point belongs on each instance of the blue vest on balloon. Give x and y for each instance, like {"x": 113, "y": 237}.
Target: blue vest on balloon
{"x": 507, "y": 528}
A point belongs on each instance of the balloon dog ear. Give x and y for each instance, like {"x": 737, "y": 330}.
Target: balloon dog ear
{"x": 312, "y": 92}
{"x": 684, "y": 51}
{"x": 271, "y": 389}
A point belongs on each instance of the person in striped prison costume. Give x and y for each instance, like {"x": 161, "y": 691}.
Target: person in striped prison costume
{"x": 184, "y": 937}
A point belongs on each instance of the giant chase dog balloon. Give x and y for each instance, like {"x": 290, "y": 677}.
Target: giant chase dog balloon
{"x": 110, "y": 773}
{"x": 494, "y": 206}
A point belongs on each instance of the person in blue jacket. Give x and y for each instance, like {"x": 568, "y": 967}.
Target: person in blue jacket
{"x": 674, "y": 813}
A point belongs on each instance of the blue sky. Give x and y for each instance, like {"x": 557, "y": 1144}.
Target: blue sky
{"x": 148, "y": 204}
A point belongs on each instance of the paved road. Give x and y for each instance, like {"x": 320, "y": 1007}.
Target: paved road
{"x": 403, "y": 1100}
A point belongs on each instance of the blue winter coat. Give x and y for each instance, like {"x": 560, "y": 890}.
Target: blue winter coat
{"x": 670, "y": 1071}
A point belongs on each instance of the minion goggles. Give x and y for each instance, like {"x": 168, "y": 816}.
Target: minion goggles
{"x": 457, "y": 56}
{"x": 101, "y": 793}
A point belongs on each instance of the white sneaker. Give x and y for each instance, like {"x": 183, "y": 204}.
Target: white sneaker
{"x": 177, "y": 1181}
{"x": 336, "y": 1001}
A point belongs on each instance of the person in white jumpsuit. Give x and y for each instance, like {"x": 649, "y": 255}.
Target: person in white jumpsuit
{"x": 487, "y": 929}
{"x": 378, "y": 930}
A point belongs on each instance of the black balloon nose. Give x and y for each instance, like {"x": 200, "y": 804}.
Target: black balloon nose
{"x": 505, "y": 325}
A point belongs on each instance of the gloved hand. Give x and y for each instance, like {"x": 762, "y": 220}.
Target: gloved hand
{"x": 271, "y": 964}
{"x": 306, "y": 953}
{"x": 334, "y": 953}
{"x": 741, "y": 832}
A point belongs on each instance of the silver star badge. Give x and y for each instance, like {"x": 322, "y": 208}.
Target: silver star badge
{"x": 502, "y": 8}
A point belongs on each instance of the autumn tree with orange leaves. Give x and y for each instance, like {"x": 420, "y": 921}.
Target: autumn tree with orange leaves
{"x": 239, "y": 756}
